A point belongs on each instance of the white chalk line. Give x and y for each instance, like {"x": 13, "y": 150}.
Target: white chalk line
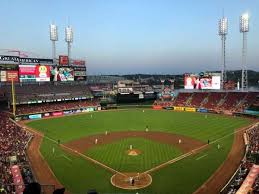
{"x": 154, "y": 168}
{"x": 195, "y": 150}
{"x": 201, "y": 157}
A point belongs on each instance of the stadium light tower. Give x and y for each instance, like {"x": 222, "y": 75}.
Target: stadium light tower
{"x": 53, "y": 29}
{"x": 69, "y": 40}
{"x": 223, "y": 30}
{"x": 244, "y": 28}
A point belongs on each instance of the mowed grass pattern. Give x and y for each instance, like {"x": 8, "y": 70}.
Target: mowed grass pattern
{"x": 185, "y": 176}
{"x": 115, "y": 154}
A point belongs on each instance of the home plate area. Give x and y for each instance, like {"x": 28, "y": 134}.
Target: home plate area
{"x": 131, "y": 181}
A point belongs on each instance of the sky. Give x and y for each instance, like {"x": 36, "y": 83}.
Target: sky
{"x": 134, "y": 36}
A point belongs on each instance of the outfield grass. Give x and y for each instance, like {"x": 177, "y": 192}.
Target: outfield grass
{"x": 152, "y": 154}
{"x": 185, "y": 176}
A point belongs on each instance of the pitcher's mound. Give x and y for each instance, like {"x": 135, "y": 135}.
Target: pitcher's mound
{"x": 122, "y": 180}
{"x": 133, "y": 152}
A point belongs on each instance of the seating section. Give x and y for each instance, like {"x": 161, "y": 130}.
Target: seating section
{"x": 54, "y": 106}
{"x": 231, "y": 100}
{"x": 13, "y": 142}
{"x": 197, "y": 99}
{"x": 246, "y": 164}
{"x": 181, "y": 99}
{"x": 219, "y": 101}
{"x": 43, "y": 92}
{"x": 213, "y": 99}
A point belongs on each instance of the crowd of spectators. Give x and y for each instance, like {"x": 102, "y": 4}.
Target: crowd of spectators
{"x": 54, "y": 106}
{"x": 44, "y": 92}
{"x": 13, "y": 142}
{"x": 220, "y": 101}
{"x": 252, "y": 157}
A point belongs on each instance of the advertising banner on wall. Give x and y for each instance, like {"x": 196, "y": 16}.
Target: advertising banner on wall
{"x": 17, "y": 59}
{"x": 42, "y": 73}
{"x": 57, "y": 113}
{"x": 178, "y": 108}
{"x": 8, "y": 76}
{"x": 75, "y": 62}
{"x": 3, "y": 76}
{"x": 27, "y": 73}
{"x": 63, "y": 60}
{"x": 216, "y": 82}
{"x": 36, "y": 116}
{"x": 8, "y": 67}
{"x": 188, "y": 109}
{"x": 12, "y": 75}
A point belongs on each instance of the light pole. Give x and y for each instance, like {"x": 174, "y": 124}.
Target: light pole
{"x": 53, "y": 29}
{"x": 244, "y": 28}
{"x": 69, "y": 40}
{"x": 223, "y": 30}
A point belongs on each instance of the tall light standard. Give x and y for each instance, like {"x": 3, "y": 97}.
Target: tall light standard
{"x": 69, "y": 40}
{"x": 244, "y": 28}
{"x": 223, "y": 30}
{"x": 53, "y": 29}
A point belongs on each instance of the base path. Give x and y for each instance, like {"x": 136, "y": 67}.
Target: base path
{"x": 218, "y": 180}
{"x": 187, "y": 144}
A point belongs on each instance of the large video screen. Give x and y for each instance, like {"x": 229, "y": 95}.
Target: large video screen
{"x": 201, "y": 83}
{"x": 190, "y": 82}
{"x": 62, "y": 74}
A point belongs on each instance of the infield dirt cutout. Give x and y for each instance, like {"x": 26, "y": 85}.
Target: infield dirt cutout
{"x": 83, "y": 144}
{"x": 133, "y": 152}
{"x": 124, "y": 180}
{"x": 142, "y": 179}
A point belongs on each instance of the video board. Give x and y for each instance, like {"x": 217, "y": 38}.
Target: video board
{"x": 205, "y": 82}
{"x": 62, "y": 74}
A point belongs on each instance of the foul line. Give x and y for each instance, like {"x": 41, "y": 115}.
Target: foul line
{"x": 195, "y": 150}
{"x": 75, "y": 151}
{"x": 64, "y": 156}
{"x": 201, "y": 157}
{"x": 152, "y": 169}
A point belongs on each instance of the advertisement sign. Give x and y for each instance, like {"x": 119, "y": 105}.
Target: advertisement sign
{"x": 216, "y": 82}
{"x": 188, "y": 109}
{"x": 3, "y": 76}
{"x": 8, "y": 67}
{"x": 63, "y": 60}
{"x": 42, "y": 73}
{"x": 204, "y": 110}
{"x": 80, "y": 73}
{"x": 27, "y": 69}
{"x": 46, "y": 115}
{"x": 24, "y": 60}
{"x": 75, "y": 62}
{"x": 178, "y": 108}
{"x": 36, "y": 116}
{"x": 12, "y": 75}
{"x": 57, "y": 113}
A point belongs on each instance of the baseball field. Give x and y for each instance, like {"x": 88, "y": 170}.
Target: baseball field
{"x": 164, "y": 151}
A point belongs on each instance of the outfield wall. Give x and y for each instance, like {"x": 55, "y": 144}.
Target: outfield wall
{"x": 56, "y": 113}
